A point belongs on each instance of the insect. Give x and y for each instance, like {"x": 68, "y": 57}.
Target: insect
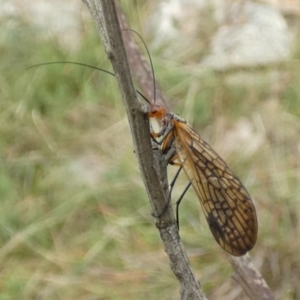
{"x": 226, "y": 204}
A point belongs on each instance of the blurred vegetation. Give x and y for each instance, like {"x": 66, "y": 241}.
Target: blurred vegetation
{"x": 75, "y": 220}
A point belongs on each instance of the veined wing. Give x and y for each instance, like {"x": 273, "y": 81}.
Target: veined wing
{"x": 226, "y": 203}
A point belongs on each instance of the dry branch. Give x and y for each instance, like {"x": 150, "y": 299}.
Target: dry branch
{"x": 249, "y": 278}
{"x": 151, "y": 164}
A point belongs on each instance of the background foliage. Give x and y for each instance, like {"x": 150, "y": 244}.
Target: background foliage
{"x": 75, "y": 220}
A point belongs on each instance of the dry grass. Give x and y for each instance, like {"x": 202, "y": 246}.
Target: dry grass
{"x": 75, "y": 221}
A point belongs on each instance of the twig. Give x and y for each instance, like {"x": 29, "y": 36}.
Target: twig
{"x": 151, "y": 164}
{"x": 249, "y": 278}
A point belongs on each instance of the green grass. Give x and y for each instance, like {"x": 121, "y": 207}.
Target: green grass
{"x": 75, "y": 220}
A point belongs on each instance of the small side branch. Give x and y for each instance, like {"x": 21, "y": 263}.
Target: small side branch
{"x": 249, "y": 278}
{"x": 138, "y": 63}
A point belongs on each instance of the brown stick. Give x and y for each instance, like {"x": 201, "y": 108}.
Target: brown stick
{"x": 249, "y": 278}
{"x": 152, "y": 165}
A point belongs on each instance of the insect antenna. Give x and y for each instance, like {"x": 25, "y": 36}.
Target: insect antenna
{"x": 83, "y": 65}
{"x": 150, "y": 61}
{"x": 70, "y": 62}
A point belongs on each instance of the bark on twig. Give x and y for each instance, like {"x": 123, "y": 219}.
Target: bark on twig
{"x": 249, "y": 278}
{"x": 151, "y": 164}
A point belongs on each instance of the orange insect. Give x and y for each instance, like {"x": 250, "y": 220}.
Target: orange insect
{"x": 227, "y": 206}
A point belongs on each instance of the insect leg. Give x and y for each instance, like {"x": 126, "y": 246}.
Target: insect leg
{"x": 170, "y": 191}
{"x": 171, "y": 157}
{"x": 173, "y": 182}
{"x": 179, "y": 201}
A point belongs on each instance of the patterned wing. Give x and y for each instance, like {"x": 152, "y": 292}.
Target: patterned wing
{"x": 226, "y": 203}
